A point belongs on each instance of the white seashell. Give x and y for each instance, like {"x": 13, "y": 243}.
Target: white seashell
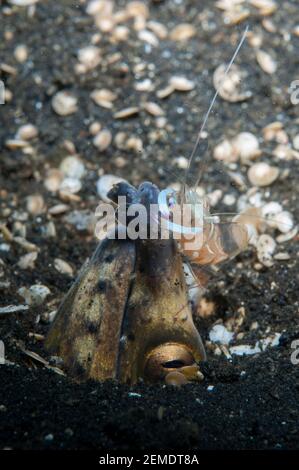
{"x": 134, "y": 143}
{"x": 105, "y": 183}
{"x": 283, "y": 152}
{"x": 63, "y": 267}
{"x": 99, "y": 6}
{"x": 167, "y": 91}
{"x": 35, "y": 295}
{"x": 282, "y": 256}
{"x": 21, "y": 53}
{"x": 28, "y": 260}
{"x": 246, "y": 145}
{"x": 71, "y": 185}
{"x": 64, "y": 103}
{"x": 121, "y": 33}
{"x": 35, "y": 204}
{"x": 287, "y": 236}
{"x": 153, "y": 108}
{"x": 182, "y": 162}
{"x": 265, "y": 248}
{"x": 225, "y": 152}
{"x": 136, "y": 8}
{"x": 27, "y": 132}
{"x": 102, "y": 140}
{"x": 15, "y": 144}
{"x": 296, "y": 142}
{"x": 182, "y": 32}
{"x": 72, "y": 167}
{"x": 266, "y": 62}
{"x": 181, "y": 83}
{"x": 270, "y": 131}
{"x": 229, "y": 85}
{"x": 23, "y": 3}
{"x": 127, "y": 112}
{"x": 219, "y": 334}
{"x": 89, "y": 56}
{"x": 103, "y": 97}
{"x": 58, "y": 209}
{"x": 269, "y": 211}
{"x": 53, "y": 179}
{"x": 149, "y": 37}
{"x": 284, "y": 221}
{"x": 262, "y": 174}
{"x": 144, "y": 85}
{"x": 158, "y": 29}
{"x": 95, "y": 128}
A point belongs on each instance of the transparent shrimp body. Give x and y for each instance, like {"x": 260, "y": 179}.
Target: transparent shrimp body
{"x": 205, "y": 239}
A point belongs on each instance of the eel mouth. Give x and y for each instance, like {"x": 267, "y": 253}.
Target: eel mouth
{"x": 170, "y": 357}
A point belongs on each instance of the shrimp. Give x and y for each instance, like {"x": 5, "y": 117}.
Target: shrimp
{"x": 205, "y": 239}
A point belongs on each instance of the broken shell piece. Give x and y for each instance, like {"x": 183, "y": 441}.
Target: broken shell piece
{"x": 149, "y": 37}
{"x": 158, "y": 29}
{"x": 136, "y": 8}
{"x": 71, "y": 185}
{"x": 163, "y": 93}
{"x": 226, "y": 152}
{"x": 127, "y": 112}
{"x": 15, "y": 144}
{"x": 105, "y": 184}
{"x": 265, "y": 249}
{"x": 246, "y": 145}
{"x": 262, "y": 174}
{"x": 35, "y": 204}
{"x": 72, "y": 167}
{"x": 269, "y": 212}
{"x": 89, "y": 56}
{"x": 63, "y": 267}
{"x": 266, "y": 7}
{"x": 296, "y": 142}
{"x": 282, "y": 256}
{"x": 229, "y": 85}
{"x": 287, "y": 236}
{"x": 284, "y": 221}
{"x": 58, "y": 209}
{"x": 28, "y": 260}
{"x": 23, "y": 3}
{"x": 64, "y": 103}
{"x": 144, "y": 85}
{"x": 266, "y": 62}
{"x": 35, "y": 295}
{"x": 103, "y": 97}
{"x": 102, "y": 140}
{"x": 182, "y": 32}
{"x": 181, "y": 83}
{"x": 95, "y": 128}
{"x": 27, "y": 132}
{"x": 270, "y": 131}
{"x": 153, "y": 108}
{"x": 235, "y": 15}
{"x": 219, "y": 334}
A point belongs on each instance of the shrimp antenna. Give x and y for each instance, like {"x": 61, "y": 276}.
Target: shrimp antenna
{"x": 199, "y": 136}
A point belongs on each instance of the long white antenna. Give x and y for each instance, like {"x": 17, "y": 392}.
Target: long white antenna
{"x": 213, "y": 101}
